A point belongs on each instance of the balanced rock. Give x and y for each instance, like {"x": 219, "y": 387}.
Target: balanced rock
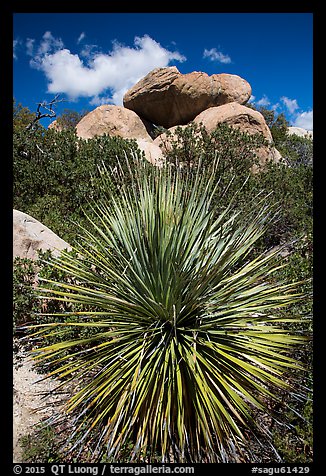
{"x": 168, "y": 98}
{"x": 114, "y": 121}
{"x": 30, "y": 235}
{"x": 151, "y": 96}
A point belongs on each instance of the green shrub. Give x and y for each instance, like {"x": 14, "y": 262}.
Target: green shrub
{"x": 22, "y": 116}
{"x": 40, "y": 446}
{"x": 24, "y": 298}
{"x": 56, "y": 174}
{"x": 235, "y": 150}
{"x": 292, "y": 189}
{"x": 28, "y": 308}
{"x": 69, "y": 118}
{"x": 296, "y": 445}
{"x": 297, "y": 151}
{"x": 295, "y": 442}
{"x": 277, "y": 124}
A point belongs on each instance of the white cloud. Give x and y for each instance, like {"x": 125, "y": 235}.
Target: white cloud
{"x": 290, "y": 104}
{"x": 15, "y": 45}
{"x": 304, "y": 120}
{"x": 215, "y": 55}
{"x": 98, "y": 101}
{"x": 264, "y": 101}
{"x": 81, "y": 37}
{"x": 30, "y": 46}
{"x": 291, "y": 107}
{"x": 48, "y": 45}
{"x": 276, "y": 106}
{"x": 89, "y": 50}
{"x": 112, "y": 73}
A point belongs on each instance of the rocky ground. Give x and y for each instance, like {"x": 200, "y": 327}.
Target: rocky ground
{"x": 30, "y": 407}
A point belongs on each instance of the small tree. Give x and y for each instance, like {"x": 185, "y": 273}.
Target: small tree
{"x": 70, "y": 118}
{"x": 278, "y": 124}
{"x": 22, "y": 116}
{"x": 40, "y": 114}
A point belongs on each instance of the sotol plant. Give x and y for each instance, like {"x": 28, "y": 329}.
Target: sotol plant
{"x": 190, "y": 339}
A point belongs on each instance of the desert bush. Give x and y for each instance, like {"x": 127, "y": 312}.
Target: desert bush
{"x": 24, "y": 298}
{"x": 28, "y": 308}
{"x": 40, "y": 446}
{"x": 235, "y": 150}
{"x": 297, "y": 151}
{"x": 69, "y": 118}
{"x": 55, "y": 174}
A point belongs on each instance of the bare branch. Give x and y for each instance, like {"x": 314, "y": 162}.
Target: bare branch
{"x": 47, "y": 106}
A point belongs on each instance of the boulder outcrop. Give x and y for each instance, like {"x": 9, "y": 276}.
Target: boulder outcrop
{"x": 153, "y": 153}
{"x": 165, "y": 141}
{"x": 122, "y": 122}
{"x": 247, "y": 120}
{"x": 165, "y": 97}
{"x": 168, "y": 98}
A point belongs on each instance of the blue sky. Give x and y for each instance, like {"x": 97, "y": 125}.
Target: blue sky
{"x": 92, "y": 59}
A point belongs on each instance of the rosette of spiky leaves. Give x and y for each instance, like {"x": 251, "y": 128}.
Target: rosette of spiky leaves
{"x": 188, "y": 334}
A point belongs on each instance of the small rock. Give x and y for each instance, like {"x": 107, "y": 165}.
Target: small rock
{"x": 152, "y": 151}
{"x": 30, "y": 235}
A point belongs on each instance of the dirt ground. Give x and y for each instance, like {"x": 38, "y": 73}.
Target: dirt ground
{"x": 29, "y": 405}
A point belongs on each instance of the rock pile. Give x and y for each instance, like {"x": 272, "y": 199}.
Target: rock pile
{"x": 165, "y": 97}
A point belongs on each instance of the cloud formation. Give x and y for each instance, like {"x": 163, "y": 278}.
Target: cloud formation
{"x": 302, "y": 119}
{"x": 263, "y": 102}
{"x": 15, "y": 44}
{"x": 305, "y": 120}
{"x": 81, "y": 37}
{"x": 291, "y": 109}
{"x": 30, "y": 46}
{"x": 215, "y": 55}
{"x": 290, "y": 104}
{"x": 101, "y": 76}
